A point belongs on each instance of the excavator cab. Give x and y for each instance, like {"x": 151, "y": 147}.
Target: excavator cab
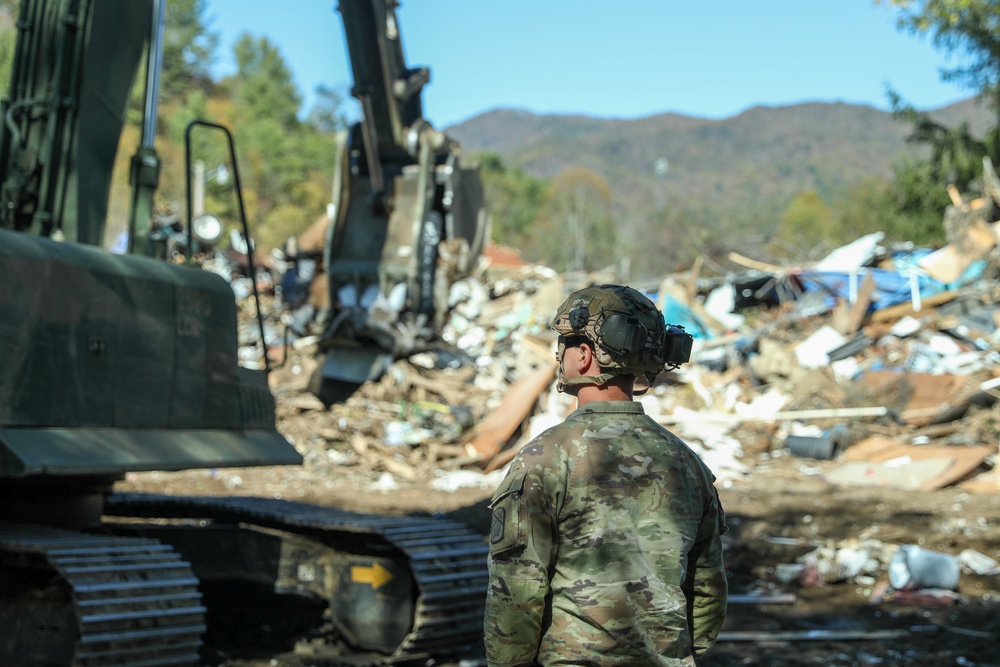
{"x": 115, "y": 363}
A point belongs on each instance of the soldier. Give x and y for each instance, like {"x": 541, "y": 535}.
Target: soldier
{"x": 605, "y": 542}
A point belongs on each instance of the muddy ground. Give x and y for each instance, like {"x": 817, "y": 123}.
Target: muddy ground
{"x": 778, "y": 512}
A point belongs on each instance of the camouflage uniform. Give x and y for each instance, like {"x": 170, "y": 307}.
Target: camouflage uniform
{"x": 605, "y": 547}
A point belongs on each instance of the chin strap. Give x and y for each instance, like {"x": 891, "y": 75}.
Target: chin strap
{"x": 562, "y": 382}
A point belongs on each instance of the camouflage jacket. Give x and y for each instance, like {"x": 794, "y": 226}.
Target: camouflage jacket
{"x": 605, "y": 547}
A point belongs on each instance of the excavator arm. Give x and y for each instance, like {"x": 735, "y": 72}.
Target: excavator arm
{"x": 74, "y": 63}
{"x": 388, "y": 91}
{"x": 407, "y": 218}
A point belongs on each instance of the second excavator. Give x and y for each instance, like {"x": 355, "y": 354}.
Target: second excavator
{"x": 407, "y": 217}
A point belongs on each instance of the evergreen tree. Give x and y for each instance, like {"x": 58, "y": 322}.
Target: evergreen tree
{"x": 286, "y": 164}
{"x": 189, "y": 49}
{"x": 513, "y": 199}
{"x": 970, "y": 29}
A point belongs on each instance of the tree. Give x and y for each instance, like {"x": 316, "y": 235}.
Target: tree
{"x": 906, "y": 209}
{"x": 576, "y": 231}
{"x": 956, "y": 156}
{"x": 8, "y": 36}
{"x": 327, "y": 113}
{"x": 188, "y": 49}
{"x": 188, "y": 52}
{"x": 286, "y": 164}
{"x": 970, "y": 28}
{"x": 920, "y": 200}
{"x": 263, "y": 83}
{"x": 667, "y": 241}
{"x": 513, "y": 199}
{"x": 808, "y": 219}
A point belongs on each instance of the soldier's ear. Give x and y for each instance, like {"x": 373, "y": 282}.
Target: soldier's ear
{"x": 587, "y": 357}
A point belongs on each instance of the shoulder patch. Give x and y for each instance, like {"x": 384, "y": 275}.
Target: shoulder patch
{"x": 497, "y": 525}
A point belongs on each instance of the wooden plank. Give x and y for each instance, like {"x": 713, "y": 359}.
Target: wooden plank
{"x": 737, "y": 258}
{"x": 901, "y": 310}
{"x": 496, "y": 429}
{"x": 860, "y": 307}
{"x": 875, "y": 452}
{"x": 956, "y": 197}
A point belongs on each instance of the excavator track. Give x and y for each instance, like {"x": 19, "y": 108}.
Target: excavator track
{"x": 106, "y": 600}
{"x": 444, "y": 582}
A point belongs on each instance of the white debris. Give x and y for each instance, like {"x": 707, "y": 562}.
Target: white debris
{"x": 457, "y": 479}
{"x": 814, "y": 351}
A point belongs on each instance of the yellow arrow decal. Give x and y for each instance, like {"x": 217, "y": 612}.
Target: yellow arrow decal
{"x": 376, "y": 575}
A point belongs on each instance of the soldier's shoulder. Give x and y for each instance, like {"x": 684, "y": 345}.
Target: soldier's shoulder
{"x": 551, "y": 444}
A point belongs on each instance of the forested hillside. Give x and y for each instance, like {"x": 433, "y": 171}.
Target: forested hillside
{"x": 737, "y": 174}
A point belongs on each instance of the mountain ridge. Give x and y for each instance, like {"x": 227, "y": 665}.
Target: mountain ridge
{"x": 745, "y": 168}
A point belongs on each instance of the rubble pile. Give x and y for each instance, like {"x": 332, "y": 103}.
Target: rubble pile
{"x": 872, "y": 357}
{"x": 878, "y": 362}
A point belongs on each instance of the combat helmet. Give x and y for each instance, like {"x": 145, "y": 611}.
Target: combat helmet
{"x": 626, "y": 330}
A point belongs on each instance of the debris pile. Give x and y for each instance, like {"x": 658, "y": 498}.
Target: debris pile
{"x": 884, "y": 359}
{"x": 876, "y": 366}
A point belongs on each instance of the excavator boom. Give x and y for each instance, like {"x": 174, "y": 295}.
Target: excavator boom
{"x": 407, "y": 219}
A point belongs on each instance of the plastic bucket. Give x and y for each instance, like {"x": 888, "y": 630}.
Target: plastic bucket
{"x": 825, "y": 446}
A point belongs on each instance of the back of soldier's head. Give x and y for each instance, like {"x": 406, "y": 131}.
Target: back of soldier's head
{"x": 624, "y": 327}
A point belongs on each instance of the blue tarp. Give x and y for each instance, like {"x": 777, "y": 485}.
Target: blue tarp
{"x": 908, "y": 262}
{"x": 675, "y": 312}
{"x": 891, "y": 287}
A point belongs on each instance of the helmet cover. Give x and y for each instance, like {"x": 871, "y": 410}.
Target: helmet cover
{"x": 624, "y": 327}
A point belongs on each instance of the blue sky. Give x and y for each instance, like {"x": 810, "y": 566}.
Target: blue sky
{"x": 626, "y": 59}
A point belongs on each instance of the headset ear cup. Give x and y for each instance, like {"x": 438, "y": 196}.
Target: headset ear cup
{"x": 623, "y": 334}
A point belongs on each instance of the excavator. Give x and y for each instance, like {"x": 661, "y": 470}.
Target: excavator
{"x": 407, "y": 217}
{"x": 121, "y": 363}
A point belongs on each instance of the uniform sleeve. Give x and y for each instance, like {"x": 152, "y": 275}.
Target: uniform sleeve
{"x": 521, "y": 553}
{"x": 710, "y": 589}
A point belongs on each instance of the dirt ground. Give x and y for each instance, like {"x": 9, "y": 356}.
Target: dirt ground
{"x": 781, "y": 510}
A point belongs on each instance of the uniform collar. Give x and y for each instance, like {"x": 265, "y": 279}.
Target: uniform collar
{"x": 609, "y": 407}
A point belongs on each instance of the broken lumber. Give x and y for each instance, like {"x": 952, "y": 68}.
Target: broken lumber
{"x": 903, "y": 309}
{"x": 829, "y": 413}
{"x": 860, "y": 308}
{"x": 494, "y": 431}
{"x": 737, "y": 258}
